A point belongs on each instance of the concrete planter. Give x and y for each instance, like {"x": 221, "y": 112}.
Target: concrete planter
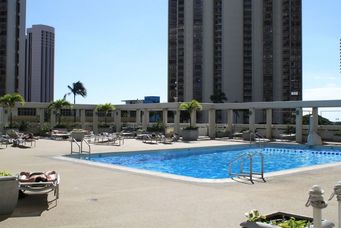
{"x": 279, "y": 216}
{"x": 78, "y": 135}
{"x": 8, "y": 194}
{"x": 190, "y": 134}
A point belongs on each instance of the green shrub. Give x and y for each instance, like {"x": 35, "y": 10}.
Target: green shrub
{"x": 23, "y": 126}
{"x": 290, "y": 130}
{"x": 321, "y": 120}
{"x": 60, "y": 126}
{"x": 103, "y": 125}
{"x": 156, "y": 127}
{"x": 4, "y": 174}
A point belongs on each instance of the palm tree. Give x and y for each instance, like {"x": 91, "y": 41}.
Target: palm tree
{"x": 57, "y": 106}
{"x": 77, "y": 89}
{"x": 106, "y": 108}
{"x": 190, "y": 107}
{"x": 8, "y": 101}
{"x": 218, "y": 97}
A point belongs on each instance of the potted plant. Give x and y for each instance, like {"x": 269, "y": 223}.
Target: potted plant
{"x": 78, "y": 134}
{"x": 279, "y": 219}
{"x": 8, "y": 193}
{"x": 190, "y": 133}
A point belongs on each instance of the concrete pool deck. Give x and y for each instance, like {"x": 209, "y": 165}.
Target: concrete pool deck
{"x": 100, "y": 197}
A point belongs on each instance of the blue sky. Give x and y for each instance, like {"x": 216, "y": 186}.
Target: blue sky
{"x": 118, "y": 49}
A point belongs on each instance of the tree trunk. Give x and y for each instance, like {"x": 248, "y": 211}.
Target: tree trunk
{"x": 10, "y": 119}
{"x": 74, "y": 111}
{"x": 59, "y": 119}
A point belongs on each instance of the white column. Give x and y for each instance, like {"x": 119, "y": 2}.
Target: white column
{"x": 95, "y": 122}
{"x": 145, "y": 119}
{"x": 2, "y": 119}
{"x": 315, "y": 119}
{"x": 194, "y": 119}
{"x": 53, "y": 119}
{"x": 229, "y": 120}
{"x": 83, "y": 118}
{"x": 165, "y": 117}
{"x": 15, "y": 111}
{"x": 211, "y": 123}
{"x": 252, "y": 119}
{"x": 5, "y": 117}
{"x": 299, "y": 125}
{"x": 177, "y": 121}
{"x": 14, "y": 114}
{"x": 40, "y": 112}
{"x": 118, "y": 120}
{"x": 269, "y": 123}
{"x": 138, "y": 117}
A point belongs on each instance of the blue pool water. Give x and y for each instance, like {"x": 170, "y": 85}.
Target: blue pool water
{"x": 212, "y": 163}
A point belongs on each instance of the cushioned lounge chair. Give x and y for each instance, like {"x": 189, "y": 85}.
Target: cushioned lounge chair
{"x": 39, "y": 182}
{"x": 20, "y": 139}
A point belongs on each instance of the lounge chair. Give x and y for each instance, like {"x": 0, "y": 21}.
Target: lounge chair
{"x": 20, "y": 139}
{"x": 149, "y": 138}
{"x": 166, "y": 140}
{"x": 39, "y": 182}
{"x": 5, "y": 141}
{"x": 58, "y": 134}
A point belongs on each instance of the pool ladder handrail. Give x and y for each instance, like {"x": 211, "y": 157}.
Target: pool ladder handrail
{"x": 251, "y": 173}
{"x": 80, "y": 146}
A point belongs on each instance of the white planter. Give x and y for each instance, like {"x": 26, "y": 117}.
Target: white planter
{"x": 190, "y": 134}
{"x": 78, "y": 135}
{"x": 8, "y": 194}
{"x": 279, "y": 215}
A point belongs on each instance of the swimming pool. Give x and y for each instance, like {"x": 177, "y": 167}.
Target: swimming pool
{"x": 213, "y": 163}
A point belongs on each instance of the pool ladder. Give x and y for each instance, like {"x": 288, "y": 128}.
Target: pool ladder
{"x": 80, "y": 146}
{"x": 251, "y": 174}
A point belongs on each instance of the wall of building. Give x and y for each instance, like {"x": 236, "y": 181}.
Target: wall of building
{"x": 13, "y": 59}
{"x": 248, "y": 61}
{"x": 39, "y": 77}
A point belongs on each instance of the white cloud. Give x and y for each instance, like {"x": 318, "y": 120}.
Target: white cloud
{"x": 325, "y": 93}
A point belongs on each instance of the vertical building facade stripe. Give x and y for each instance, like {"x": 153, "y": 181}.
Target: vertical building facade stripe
{"x": 247, "y": 51}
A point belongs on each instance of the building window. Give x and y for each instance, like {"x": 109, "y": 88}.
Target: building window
{"x": 67, "y": 112}
{"x": 89, "y": 113}
{"x": 102, "y": 114}
{"x": 26, "y": 111}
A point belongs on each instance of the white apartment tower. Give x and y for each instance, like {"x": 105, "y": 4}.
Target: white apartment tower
{"x": 39, "y": 77}
{"x": 12, "y": 45}
{"x": 251, "y": 50}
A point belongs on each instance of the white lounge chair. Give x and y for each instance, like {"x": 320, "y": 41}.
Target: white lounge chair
{"x": 40, "y": 187}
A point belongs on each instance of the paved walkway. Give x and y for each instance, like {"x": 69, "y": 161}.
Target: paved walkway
{"x": 99, "y": 197}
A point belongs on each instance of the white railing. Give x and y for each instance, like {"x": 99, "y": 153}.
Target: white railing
{"x": 80, "y": 146}
{"x": 316, "y": 200}
{"x": 251, "y": 173}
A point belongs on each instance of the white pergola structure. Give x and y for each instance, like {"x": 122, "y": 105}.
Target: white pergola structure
{"x": 143, "y": 110}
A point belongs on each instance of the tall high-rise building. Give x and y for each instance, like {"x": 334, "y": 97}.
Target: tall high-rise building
{"x": 39, "y": 78}
{"x": 12, "y": 44}
{"x": 251, "y": 50}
